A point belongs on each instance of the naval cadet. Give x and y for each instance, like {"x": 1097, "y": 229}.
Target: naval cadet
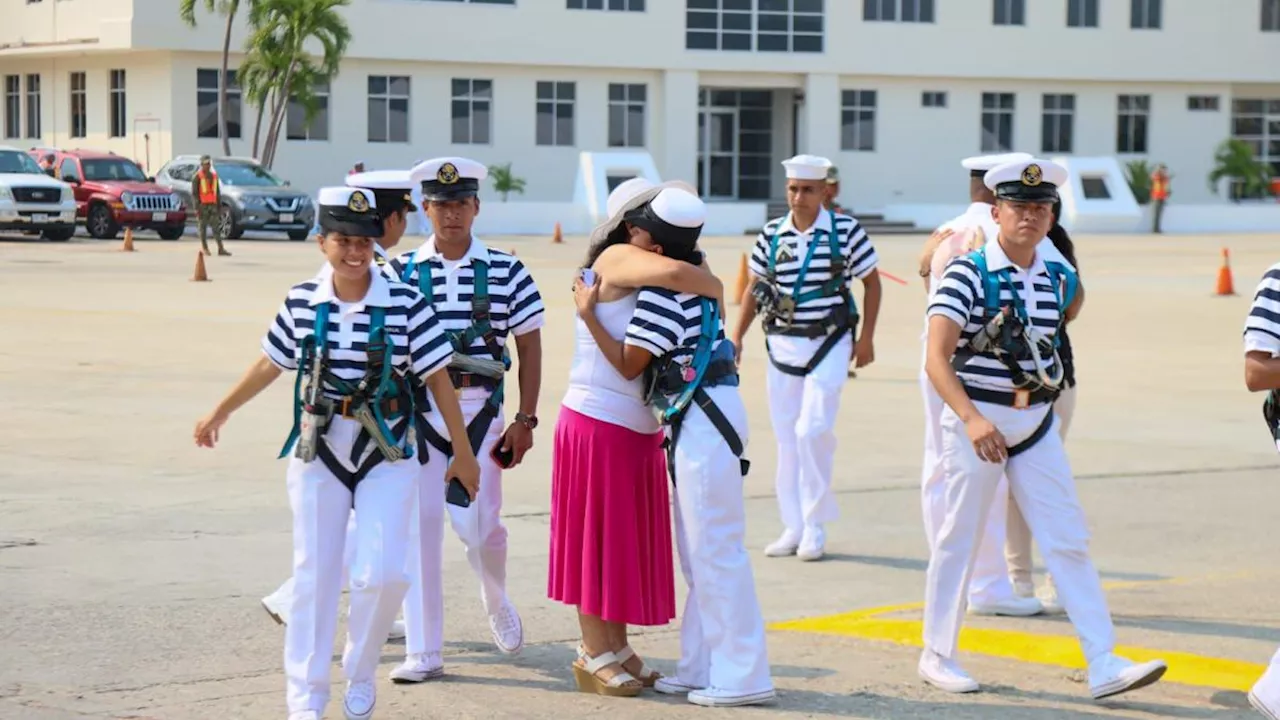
{"x": 352, "y": 338}
{"x": 1262, "y": 374}
{"x": 676, "y": 340}
{"x": 391, "y": 193}
{"x": 802, "y": 265}
{"x": 482, "y": 295}
{"x": 992, "y": 358}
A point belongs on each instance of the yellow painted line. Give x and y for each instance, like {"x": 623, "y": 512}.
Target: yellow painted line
{"x": 1038, "y": 648}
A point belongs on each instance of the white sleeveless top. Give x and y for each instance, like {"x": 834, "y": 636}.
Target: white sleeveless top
{"x": 596, "y": 389}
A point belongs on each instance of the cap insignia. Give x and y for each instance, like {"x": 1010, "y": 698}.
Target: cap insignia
{"x": 358, "y": 202}
{"x": 447, "y": 174}
{"x": 1032, "y": 175}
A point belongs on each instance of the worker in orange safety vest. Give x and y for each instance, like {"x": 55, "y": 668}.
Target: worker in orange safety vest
{"x": 1159, "y": 193}
{"x": 207, "y": 196}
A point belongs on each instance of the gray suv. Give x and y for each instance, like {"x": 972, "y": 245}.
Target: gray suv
{"x": 252, "y": 198}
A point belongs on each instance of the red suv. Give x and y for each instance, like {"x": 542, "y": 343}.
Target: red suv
{"x": 112, "y": 192}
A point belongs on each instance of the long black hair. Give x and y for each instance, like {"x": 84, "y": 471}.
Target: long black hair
{"x": 617, "y": 236}
{"x": 1060, "y": 239}
{"x": 676, "y": 243}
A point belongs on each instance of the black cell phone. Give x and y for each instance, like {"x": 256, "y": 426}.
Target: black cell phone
{"x": 457, "y": 494}
{"x": 504, "y": 459}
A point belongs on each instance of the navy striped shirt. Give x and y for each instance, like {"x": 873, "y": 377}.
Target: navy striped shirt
{"x": 666, "y": 321}
{"x": 1262, "y": 327}
{"x": 420, "y": 346}
{"x": 859, "y": 259}
{"x": 961, "y": 297}
{"x": 515, "y": 305}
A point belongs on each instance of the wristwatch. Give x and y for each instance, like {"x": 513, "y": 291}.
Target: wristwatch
{"x": 529, "y": 421}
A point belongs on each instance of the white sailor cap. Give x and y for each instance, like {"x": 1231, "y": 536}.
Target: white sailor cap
{"x": 1033, "y": 180}
{"x": 674, "y": 219}
{"x": 350, "y": 211}
{"x": 392, "y": 188}
{"x": 449, "y": 178}
{"x": 978, "y": 165}
{"x": 806, "y": 167}
{"x": 624, "y": 192}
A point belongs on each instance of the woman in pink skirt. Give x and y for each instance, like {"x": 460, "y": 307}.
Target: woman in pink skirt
{"x": 611, "y": 554}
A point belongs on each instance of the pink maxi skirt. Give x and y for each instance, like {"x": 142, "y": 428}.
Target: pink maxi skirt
{"x": 610, "y": 522}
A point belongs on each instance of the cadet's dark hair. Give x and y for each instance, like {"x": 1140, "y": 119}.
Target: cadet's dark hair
{"x": 1059, "y": 237}
{"x": 617, "y": 236}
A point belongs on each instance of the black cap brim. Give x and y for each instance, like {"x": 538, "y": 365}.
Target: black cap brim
{"x": 345, "y": 222}
{"x": 1043, "y": 193}
{"x": 434, "y": 190}
{"x": 391, "y": 201}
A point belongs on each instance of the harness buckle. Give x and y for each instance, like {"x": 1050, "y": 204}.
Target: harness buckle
{"x": 1021, "y": 399}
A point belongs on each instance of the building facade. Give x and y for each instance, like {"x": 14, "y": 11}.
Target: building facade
{"x": 895, "y": 92}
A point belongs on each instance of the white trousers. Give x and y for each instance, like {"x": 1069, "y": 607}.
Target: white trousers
{"x": 722, "y": 640}
{"x": 803, "y": 412}
{"x": 1041, "y": 482}
{"x": 321, "y": 507}
{"x": 478, "y": 526}
{"x": 283, "y": 596}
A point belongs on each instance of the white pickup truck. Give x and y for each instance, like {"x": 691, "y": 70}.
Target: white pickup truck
{"x": 33, "y": 202}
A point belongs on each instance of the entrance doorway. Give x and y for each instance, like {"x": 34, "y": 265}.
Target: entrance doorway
{"x": 735, "y": 144}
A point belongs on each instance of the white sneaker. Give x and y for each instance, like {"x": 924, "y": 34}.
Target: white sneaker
{"x": 944, "y": 673}
{"x": 1264, "y": 696}
{"x": 397, "y": 631}
{"x": 508, "y": 631}
{"x": 715, "y": 697}
{"x": 1111, "y": 675}
{"x": 1049, "y": 599}
{"x": 812, "y": 545}
{"x": 418, "y": 667}
{"x": 359, "y": 701}
{"x": 783, "y": 546}
{"x": 1012, "y": 606}
{"x": 674, "y": 686}
{"x": 304, "y": 715}
{"x": 1024, "y": 589}
{"x": 276, "y": 610}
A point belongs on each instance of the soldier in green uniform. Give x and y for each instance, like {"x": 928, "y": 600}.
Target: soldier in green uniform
{"x": 207, "y": 196}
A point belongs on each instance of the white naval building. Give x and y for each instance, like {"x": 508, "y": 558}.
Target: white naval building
{"x": 895, "y": 92}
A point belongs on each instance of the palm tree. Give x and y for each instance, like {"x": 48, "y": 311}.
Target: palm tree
{"x": 284, "y": 27}
{"x": 504, "y": 182}
{"x": 1234, "y": 160}
{"x": 229, "y": 8}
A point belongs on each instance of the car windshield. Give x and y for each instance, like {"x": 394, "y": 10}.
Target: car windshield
{"x": 118, "y": 170}
{"x": 244, "y": 174}
{"x": 12, "y": 162}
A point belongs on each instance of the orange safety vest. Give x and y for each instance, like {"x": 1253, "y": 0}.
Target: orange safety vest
{"x": 208, "y": 187}
{"x": 1159, "y": 187}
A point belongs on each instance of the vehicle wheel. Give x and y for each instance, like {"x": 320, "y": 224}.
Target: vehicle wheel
{"x": 299, "y": 234}
{"x": 61, "y": 233}
{"x": 100, "y": 224}
{"x": 172, "y": 232}
{"x": 230, "y": 230}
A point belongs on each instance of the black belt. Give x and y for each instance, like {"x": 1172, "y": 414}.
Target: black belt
{"x": 342, "y": 406}
{"x": 1009, "y": 398}
{"x": 839, "y": 321}
{"x": 462, "y": 379}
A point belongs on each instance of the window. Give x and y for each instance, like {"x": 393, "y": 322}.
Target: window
{"x": 1094, "y": 188}
{"x": 1270, "y": 16}
{"x": 735, "y": 144}
{"x": 12, "y": 106}
{"x": 777, "y": 25}
{"x": 119, "y": 115}
{"x": 626, "y": 5}
{"x": 997, "y": 122}
{"x": 297, "y": 127}
{"x": 1202, "y": 103}
{"x": 33, "y": 105}
{"x": 1082, "y": 13}
{"x": 1009, "y": 12}
{"x": 933, "y": 99}
{"x": 1131, "y": 128}
{"x": 207, "y": 125}
{"x": 920, "y": 11}
{"x": 67, "y": 170}
{"x": 858, "y": 120}
{"x": 1144, "y": 14}
{"x": 555, "y": 113}
{"x": 79, "y": 121}
{"x": 1256, "y": 122}
{"x": 472, "y": 112}
{"x": 388, "y": 108}
{"x": 789, "y": 26}
{"x": 1056, "y": 121}
{"x": 626, "y": 115}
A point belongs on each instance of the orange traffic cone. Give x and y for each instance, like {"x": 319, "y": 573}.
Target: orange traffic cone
{"x": 557, "y": 237}
{"x": 128, "y": 240}
{"x": 741, "y": 286}
{"x": 201, "y": 275}
{"x": 1225, "y": 286}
